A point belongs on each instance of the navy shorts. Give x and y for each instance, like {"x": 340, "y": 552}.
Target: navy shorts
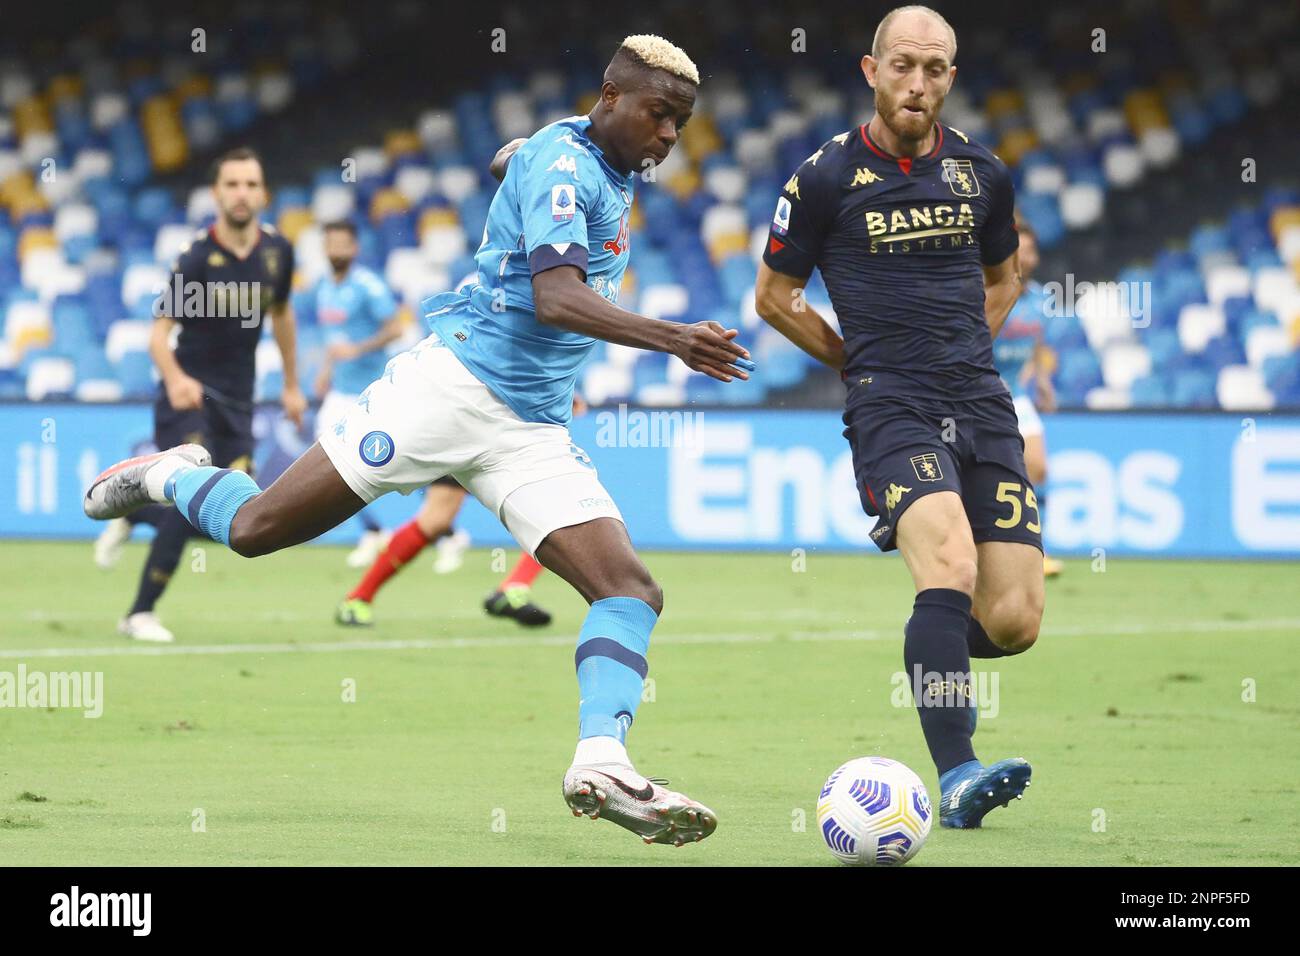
{"x": 906, "y": 448}
{"x": 225, "y": 432}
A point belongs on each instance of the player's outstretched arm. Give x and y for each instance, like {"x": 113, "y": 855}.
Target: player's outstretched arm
{"x": 1001, "y": 290}
{"x": 775, "y": 297}
{"x": 562, "y": 298}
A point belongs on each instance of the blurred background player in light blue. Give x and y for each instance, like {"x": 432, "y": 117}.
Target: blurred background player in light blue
{"x": 359, "y": 316}
{"x": 1026, "y": 363}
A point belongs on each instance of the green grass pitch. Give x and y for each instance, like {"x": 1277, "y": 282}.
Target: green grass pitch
{"x": 1159, "y": 709}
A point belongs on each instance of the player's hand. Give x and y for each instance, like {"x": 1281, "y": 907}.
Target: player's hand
{"x": 184, "y": 393}
{"x": 499, "y": 161}
{"x": 342, "y": 352}
{"x": 295, "y": 403}
{"x": 709, "y": 348}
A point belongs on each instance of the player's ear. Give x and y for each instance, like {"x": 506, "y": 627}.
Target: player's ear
{"x": 609, "y": 94}
{"x": 869, "y": 67}
{"x": 952, "y": 78}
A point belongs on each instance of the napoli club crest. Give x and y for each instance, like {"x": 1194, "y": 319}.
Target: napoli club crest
{"x": 376, "y": 448}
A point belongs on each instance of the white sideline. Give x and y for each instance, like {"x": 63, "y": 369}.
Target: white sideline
{"x": 567, "y": 640}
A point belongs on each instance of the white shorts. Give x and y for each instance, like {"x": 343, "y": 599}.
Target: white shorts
{"x": 1027, "y": 416}
{"x": 332, "y": 408}
{"x": 428, "y": 416}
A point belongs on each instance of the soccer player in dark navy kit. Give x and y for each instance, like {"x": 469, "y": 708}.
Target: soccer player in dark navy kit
{"x": 911, "y": 224}
{"x": 223, "y": 285}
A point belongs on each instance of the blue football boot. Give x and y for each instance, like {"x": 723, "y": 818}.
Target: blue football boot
{"x": 969, "y": 791}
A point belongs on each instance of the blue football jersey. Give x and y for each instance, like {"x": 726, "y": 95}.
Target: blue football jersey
{"x": 561, "y": 203}
{"x": 1021, "y": 332}
{"x": 352, "y": 311}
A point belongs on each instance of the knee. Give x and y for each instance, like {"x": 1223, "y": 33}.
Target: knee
{"x": 637, "y": 584}
{"x": 956, "y": 567}
{"x": 248, "y": 536}
{"x": 1013, "y": 624}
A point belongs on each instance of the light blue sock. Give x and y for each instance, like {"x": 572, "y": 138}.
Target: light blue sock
{"x": 208, "y": 497}
{"x": 611, "y": 664}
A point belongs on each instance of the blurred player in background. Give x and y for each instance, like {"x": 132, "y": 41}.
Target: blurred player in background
{"x": 911, "y": 226}
{"x": 487, "y": 399}
{"x": 1025, "y": 363}
{"x": 244, "y": 269}
{"x": 358, "y": 314}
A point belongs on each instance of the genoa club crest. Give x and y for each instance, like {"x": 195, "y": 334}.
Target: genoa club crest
{"x": 959, "y": 174}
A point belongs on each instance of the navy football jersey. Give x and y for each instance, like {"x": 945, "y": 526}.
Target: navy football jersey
{"x": 900, "y": 243}
{"x": 221, "y": 301}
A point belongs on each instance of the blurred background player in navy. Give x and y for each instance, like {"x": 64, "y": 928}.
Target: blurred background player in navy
{"x": 226, "y": 281}
{"x": 358, "y": 314}
{"x": 1026, "y": 363}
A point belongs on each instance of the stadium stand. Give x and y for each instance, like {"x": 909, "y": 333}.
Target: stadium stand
{"x": 1209, "y": 318}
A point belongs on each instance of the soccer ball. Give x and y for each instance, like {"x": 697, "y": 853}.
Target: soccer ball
{"x": 874, "y": 811}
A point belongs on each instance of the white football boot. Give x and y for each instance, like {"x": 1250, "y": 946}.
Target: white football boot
{"x": 145, "y": 626}
{"x": 451, "y": 550}
{"x": 109, "y": 544}
{"x": 614, "y": 791}
{"x": 136, "y": 482}
{"x": 370, "y": 546}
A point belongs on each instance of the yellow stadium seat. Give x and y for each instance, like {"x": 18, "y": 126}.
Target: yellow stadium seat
{"x": 432, "y": 218}
{"x": 636, "y": 222}
{"x": 1003, "y": 102}
{"x": 1282, "y": 218}
{"x": 192, "y": 86}
{"x": 401, "y": 142}
{"x": 294, "y": 221}
{"x": 36, "y": 237}
{"x": 385, "y": 202}
{"x": 1015, "y": 143}
{"x": 683, "y": 184}
{"x": 32, "y": 116}
{"x": 31, "y": 336}
{"x": 700, "y": 139}
{"x": 160, "y": 119}
{"x": 586, "y": 103}
{"x": 65, "y": 86}
{"x": 728, "y": 244}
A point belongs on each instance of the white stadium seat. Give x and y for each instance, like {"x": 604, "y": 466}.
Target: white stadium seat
{"x": 23, "y": 316}
{"x": 1124, "y": 362}
{"x": 1197, "y": 324}
{"x": 1081, "y": 205}
{"x": 332, "y": 202}
{"x": 274, "y": 91}
{"x": 414, "y": 182}
{"x": 1241, "y": 388}
{"x": 126, "y": 335}
{"x": 1044, "y": 179}
{"x": 457, "y": 183}
{"x": 437, "y": 129}
{"x": 141, "y": 279}
{"x": 200, "y": 204}
{"x": 1226, "y": 282}
{"x": 1160, "y": 146}
{"x": 660, "y": 300}
{"x": 50, "y": 376}
{"x": 98, "y": 390}
{"x": 722, "y": 219}
{"x": 1123, "y": 165}
{"x": 1275, "y": 290}
{"x": 1265, "y": 342}
{"x": 727, "y": 183}
{"x": 75, "y": 219}
{"x": 1107, "y": 399}
{"x": 170, "y": 240}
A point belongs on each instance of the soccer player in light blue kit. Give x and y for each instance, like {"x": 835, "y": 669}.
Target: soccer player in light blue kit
{"x": 357, "y": 313}
{"x": 1025, "y": 362}
{"x": 486, "y": 398}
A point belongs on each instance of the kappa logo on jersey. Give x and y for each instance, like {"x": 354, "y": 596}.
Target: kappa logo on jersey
{"x": 893, "y": 495}
{"x": 563, "y": 205}
{"x": 618, "y": 245}
{"x": 927, "y": 467}
{"x": 564, "y": 164}
{"x": 781, "y": 221}
{"x": 792, "y": 187}
{"x": 376, "y": 448}
{"x": 960, "y": 176}
{"x": 865, "y": 177}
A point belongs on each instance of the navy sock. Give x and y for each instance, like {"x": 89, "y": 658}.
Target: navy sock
{"x": 938, "y": 666}
{"x": 164, "y": 555}
{"x": 980, "y": 644}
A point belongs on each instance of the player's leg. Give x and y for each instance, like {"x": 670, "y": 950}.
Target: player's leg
{"x": 442, "y": 502}
{"x": 171, "y": 427}
{"x": 1008, "y": 600}
{"x": 513, "y": 596}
